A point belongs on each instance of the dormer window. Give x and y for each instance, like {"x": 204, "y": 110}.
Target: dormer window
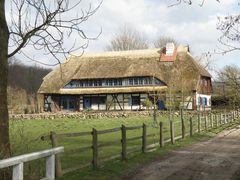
{"x": 113, "y": 82}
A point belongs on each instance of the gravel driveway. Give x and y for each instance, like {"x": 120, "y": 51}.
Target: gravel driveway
{"x": 215, "y": 159}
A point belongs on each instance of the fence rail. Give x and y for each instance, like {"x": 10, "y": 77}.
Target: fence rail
{"x": 17, "y": 162}
{"x": 167, "y": 132}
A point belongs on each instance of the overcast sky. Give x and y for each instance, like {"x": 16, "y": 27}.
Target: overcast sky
{"x": 192, "y": 25}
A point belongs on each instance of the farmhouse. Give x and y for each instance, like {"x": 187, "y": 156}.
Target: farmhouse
{"x": 126, "y": 80}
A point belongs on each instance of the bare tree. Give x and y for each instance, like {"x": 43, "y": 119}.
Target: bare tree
{"x": 163, "y": 40}
{"x": 230, "y": 76}
{"x": 43, "y": 25}
{"x": 127, "y": 38}
{"x": 229, "y": 26}
{"x": 189, "y": 2}
{"x": 230, "y": 38}
{"x": 206, "y": 60}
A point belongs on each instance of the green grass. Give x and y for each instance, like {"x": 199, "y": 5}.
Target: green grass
{"x": 25, "y": 137}
{"x": 117, "y": 169}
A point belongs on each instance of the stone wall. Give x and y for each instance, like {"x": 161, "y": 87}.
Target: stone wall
{"x": 86, "y": 115}
{"x": 96, "y": 114}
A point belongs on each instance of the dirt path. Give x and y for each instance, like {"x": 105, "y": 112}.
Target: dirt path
{"x": 215, "y": 159}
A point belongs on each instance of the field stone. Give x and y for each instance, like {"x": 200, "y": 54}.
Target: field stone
{"x": 89, "y": 115}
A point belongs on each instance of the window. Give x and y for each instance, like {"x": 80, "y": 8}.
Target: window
{"x": 69, "y": 102}
{"x": 64, "y": 103}
{"x": 146, "y": 80}
{"x": 203, "y": 101}
{"x": 109, "y": 82}
{"x": 90, "y": 83}
{"x": 135, "y": 100}
{"x": 102, "y": 99}
{"x": 136, "y": 81}
{"x": 130, "y": 81}
{"x": 120, "y": 82}
{"x": 115, "y": 82}
{"x": 81, "y": 84}
{"x": 157, "y": 81}
{"x": 72, "y": 103}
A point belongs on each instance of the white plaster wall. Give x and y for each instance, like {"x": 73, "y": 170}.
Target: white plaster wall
{"x": 204, "y": 96}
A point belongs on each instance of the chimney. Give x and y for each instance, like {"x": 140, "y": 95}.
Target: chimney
{"x": 170, "y": 48}
{"x": 168, "y": 53}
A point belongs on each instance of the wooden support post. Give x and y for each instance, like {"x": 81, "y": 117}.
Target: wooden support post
{"x": 50, "y": 167}
{"x": 225, "y": 117}
{"x": 58, "y": 165}
{"x": 211, "y": 120}
{"x": 18, "y": 172}
{"x": 183, "y": 125}
{"x": 217, "y": 120}
{"x": 191, "y": 126}
{"x": 124, "y": 143}
{"x": 172, "y": 132}
{"x": 161, "y": 141}
{"x": 144, "y": 138}
{"x": 199, "y": 122}
{"x": 95, "y": 148}
{"x": 205, "y": 121}
{"x": 221, "y": 118}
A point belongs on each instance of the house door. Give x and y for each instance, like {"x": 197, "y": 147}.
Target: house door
{"x": 86, "y": 102}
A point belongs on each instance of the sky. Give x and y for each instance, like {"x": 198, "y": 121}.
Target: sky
{"x": 190, "y": 25}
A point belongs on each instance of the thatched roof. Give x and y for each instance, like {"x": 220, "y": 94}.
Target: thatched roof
{"x": 135, "y": 63}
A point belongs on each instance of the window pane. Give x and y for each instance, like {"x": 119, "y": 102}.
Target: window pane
{"x": 130, "y": 81}
{"x": 135, "y": 100}
{"x": 135, "y": 81}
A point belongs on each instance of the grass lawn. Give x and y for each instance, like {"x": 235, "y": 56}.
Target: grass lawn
{"x": 25, "y": 137}
{"x": 117, "y": 169}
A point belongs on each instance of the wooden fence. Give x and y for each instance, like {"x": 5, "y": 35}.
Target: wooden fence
{"x": 203, "y": 122}
{"x": 18, "y": 161}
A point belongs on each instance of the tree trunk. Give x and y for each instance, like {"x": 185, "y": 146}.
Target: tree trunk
{"x": 4, "y": 123}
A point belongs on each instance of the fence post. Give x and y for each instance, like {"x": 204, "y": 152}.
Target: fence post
{"x": 225, "y": 117}
{"x": 161, "y": 142}
{"x": 58, "y": 166}
{"x": 144, "y": 138}
{"x": 124, "y": 143}
{"x": 221, "y": 118}
{"x": 50, "y": 167}
{"x": 199, "y": 122}
{"x": 18, "y": 172}
{"x": 95, "y": 148}
{"x": 217, "y": 120}
{"x": 172, "y": 131}
{"x": 211, "y": 120}
{"x": 191, "y": 127}
{"x": 205, "y": 121}
{"x": 183, "y": 125}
